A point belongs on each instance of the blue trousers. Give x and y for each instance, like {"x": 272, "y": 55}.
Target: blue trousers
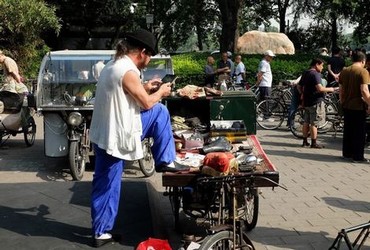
{"x": 106, "y": 184}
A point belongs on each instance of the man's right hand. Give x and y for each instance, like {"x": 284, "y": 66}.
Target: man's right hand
{"x": 165, "y": 89}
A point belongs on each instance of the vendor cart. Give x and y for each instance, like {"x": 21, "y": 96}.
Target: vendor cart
{"x": 198, "y": 195}
{"x": 179, "y": 184}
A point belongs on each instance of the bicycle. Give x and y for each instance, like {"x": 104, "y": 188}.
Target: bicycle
{"x": 272, "y": 112}
{"x": 333, "y": 117}
{"x": 236, "y": 215}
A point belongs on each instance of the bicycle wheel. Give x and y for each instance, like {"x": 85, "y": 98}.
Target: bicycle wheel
{"x": 146, "y": 163}
{"x": 270, "y": 114}
{"x": 223, "y": 240}
{"x": 249, "y": 208}
{"x": 297, "y": 120}
{"x": 331, "y": 113}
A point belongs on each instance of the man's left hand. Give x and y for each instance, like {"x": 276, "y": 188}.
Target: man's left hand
{"x": 153, "y": 85}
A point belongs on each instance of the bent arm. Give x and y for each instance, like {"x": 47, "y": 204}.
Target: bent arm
{"x": 323, "y": 89}
{"x": 131, "y": 84}
{"x": 259, "y": 76}
{"x": 365, "y": 93}
{"x": 16, "y": 76}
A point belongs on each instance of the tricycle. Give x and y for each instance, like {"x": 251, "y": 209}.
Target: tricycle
{"x": 16, "y": 117}
{"x": 65, "y": 97}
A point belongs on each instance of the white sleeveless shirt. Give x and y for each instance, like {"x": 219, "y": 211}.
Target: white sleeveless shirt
{"x": 116, "y": 122}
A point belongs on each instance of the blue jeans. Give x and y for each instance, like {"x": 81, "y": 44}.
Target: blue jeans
{"x": 293, "y": 105}
{"x": 106, "y": 184}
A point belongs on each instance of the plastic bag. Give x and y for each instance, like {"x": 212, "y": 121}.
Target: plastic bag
{"x": 154, "y": 244}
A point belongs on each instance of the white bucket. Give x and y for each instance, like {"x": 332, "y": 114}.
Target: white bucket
{"x": 55, "y": 135}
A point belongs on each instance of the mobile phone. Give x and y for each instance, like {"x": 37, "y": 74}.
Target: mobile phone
{"x": 169, "y": 78}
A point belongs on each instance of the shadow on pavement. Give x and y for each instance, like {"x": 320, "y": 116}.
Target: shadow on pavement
{"x": 54, "y": 215}
{"x": 353, "y": 205}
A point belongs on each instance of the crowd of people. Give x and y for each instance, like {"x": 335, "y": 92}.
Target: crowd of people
{"x": 351, "y": 82}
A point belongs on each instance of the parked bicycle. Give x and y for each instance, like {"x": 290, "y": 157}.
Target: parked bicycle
{"x": 237, "y": 210}
{"x": 272, "y": 112}
{"x": 333, "y": 117}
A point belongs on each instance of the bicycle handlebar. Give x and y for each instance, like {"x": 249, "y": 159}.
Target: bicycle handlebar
{"x": 232, "y": 178}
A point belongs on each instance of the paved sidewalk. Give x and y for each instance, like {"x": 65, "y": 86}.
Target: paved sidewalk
{"x": 41, "y": 208}
{"x": 325, "y": 194}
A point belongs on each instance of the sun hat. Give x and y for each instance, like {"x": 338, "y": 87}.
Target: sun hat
{"x": 269, "y": 53}
{"x": 143, "y": 38}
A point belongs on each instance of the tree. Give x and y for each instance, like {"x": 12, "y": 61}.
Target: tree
{"x": 230, "y": 11}
{"x": 282, "y": 7}
{"x": 362, "y": 16}
{"x": 329, "y": 11}
{"x": 87, "y": 19}
{"x": 21, "y": 25}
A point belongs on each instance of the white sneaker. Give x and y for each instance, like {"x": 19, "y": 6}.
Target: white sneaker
{"x": 104, "y": 236}
{"x": 259, "y": 119}
{"x": 270, "y": 119}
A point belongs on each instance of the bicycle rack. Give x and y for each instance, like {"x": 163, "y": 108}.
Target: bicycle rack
{"x": 361, "y": 237}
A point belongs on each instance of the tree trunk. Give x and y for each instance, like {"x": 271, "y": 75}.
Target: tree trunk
{"x": 334, "y": 30}
{"x": 229, "y": 18}
{"x": 199, "y": 37}
{"x": 282, "y": 8}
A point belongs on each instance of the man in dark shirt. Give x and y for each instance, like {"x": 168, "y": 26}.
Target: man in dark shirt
{"x": 335, "y": 65}
{"x": 313, "y": 101}
{"x": 224, "y": 67}
{"x": 209, "y": 72}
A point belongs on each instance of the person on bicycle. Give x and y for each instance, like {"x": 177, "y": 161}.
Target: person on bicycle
{"x": 296, "y": 99}
{"x": 313, "y": 101}
{"x": 355, "y": 98}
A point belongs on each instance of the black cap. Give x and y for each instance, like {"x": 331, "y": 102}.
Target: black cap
{"x": 143, "y": 38}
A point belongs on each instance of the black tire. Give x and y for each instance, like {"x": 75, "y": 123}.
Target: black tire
{"x": 146, "y": 164}
{"x": 270, "y": 114}
{"x": 297, "y": 120}
{"x": 224, "y": 240}
{"x": 29, "y": 132}
{"x": 1, "y": 137}
{"x": 77, "y": 163}
{"x": 251, "y": 206}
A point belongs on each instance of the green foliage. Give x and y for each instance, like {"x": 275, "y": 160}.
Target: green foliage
{"x": 21, "y": 23}
{"x": 190, "y": 67}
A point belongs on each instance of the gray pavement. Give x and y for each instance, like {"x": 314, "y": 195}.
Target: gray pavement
{"x": 41, "y": 208}
{"x": 325, "y": 194}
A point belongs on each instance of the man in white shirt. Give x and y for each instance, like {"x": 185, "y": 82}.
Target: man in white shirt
{"x": 264, "y": 75}
{"x": 239, "y": 69}
{"x": 125, "y": 112}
